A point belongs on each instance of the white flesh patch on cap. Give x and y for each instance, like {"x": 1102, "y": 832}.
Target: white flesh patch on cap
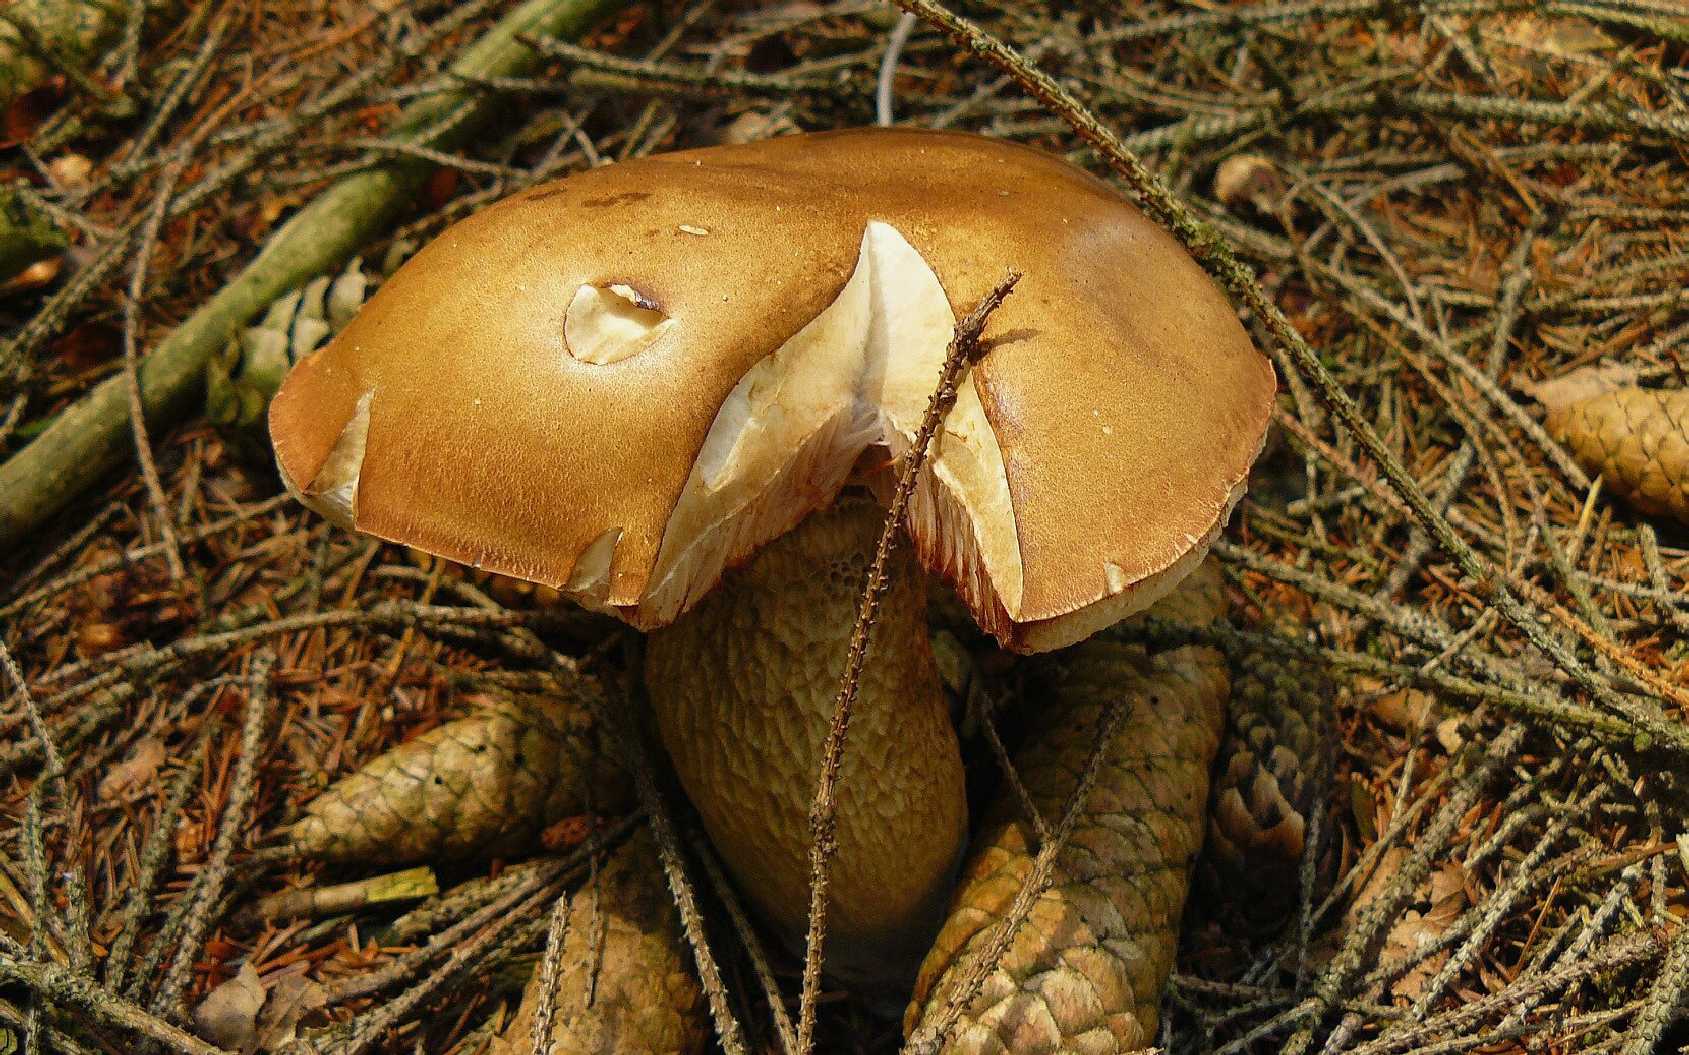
{"x": 606, "y": 324}
{"x": 787, "y": 396}
{"x": 1115, "y": 576}
{"x": 860, "y": 373}
{"x": 334, "y": 492}
{"x": 974, "y": 522}
{"x": 589, "y": 581}
{"x": 780, "y": 447}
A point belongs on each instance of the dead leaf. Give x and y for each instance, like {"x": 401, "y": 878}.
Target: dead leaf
{"x": 96, "y": 639}
{"x": 442, "y": 185}
{"x": 247, "y": 1015}
{"x": 1388, "y": 865}
{"x": 25, "y": 115}
{"x": 1415, "y": 928}
{"x": 133, "y": 773}
{"x": 1406, "y": 709}
{"x": 88, "y": 346}
{"x": 754, "y": 125}
{"x": 1449, "y": 735}
{"x": 567, "y": 833}
{"x": 1561, "y": 36}
{"x": 1364, "y": 806}
{"x": 71, "y": 171}
{"x": 1411, "y": 933}
{"x": 1448, "y": 894}
{"x": 228, "y": 1016}
{"x": 34, "y": 276}
{"x": 1248, "y": 178}
{"x": 292, "y": 998}
{"x": 272, "y": 206}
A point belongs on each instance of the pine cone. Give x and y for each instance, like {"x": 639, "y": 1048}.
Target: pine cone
{"x": 483, "y": 785}
{"x": 1264, "y": 789}
{"x": 1085, "y": 971}
{"x": 634, "y": 994}
{"x": 1637, "y": 439}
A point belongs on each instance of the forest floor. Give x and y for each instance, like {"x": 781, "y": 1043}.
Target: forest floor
{"x": 1449, "y": 205}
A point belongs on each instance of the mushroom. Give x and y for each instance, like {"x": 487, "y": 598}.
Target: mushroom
{"x": 634, "y": 384}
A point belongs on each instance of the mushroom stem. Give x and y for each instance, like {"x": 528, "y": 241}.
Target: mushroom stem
{"x": 742, "y": 691}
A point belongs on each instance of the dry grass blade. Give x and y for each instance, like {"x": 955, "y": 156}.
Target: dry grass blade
{"x": 781, "y": 1020}
{"x": 132, "y": 370}
{"x": 142, "y": 886}
{"x": 963, "y": 351}
{"x": 883, "y": 86}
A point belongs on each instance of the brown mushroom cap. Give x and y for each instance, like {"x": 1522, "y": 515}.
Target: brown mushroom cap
{"x": 620, "y": 383}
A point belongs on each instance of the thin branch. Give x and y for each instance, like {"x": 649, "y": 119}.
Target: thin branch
{"x": 964, "y": 350}
{"x": 144, "y": 882}
{"x": 207, "y": 890}
{"x": 752, "y": 945}
{"x": 67, "y": 989}
{"x": 888, "y": 68}
{"x": 132, "y": 371}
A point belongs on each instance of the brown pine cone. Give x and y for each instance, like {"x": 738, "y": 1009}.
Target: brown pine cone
{"x": 1264, "y": 788}
{"x": 626, "y": 985}
{"x": 1637, "y": 439}
{"x": 1084, "y": 973}
{"x": 487, "y": 784}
